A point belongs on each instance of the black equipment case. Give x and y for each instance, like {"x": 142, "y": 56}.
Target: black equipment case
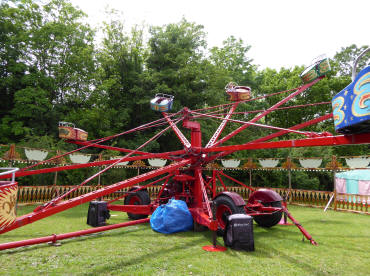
{"x": 238, "y": 233}
{"x": 98, "y": 213}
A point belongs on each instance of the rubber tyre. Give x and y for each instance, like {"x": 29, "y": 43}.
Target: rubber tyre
{"x": 225, "y": 207}
{"x": 139, "y": 198}
{"x": 269, "y": 220}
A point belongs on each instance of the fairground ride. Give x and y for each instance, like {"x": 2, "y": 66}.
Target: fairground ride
{"x": 186, "y": 178}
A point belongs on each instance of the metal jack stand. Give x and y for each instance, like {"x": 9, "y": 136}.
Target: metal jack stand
{"x": 54, "y": 241}
{"x": 284, "y": 219}
{"x": 214, "y": 247}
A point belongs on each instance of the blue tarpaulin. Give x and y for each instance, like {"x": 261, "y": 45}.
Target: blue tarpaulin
{"x": 172, "y": 217}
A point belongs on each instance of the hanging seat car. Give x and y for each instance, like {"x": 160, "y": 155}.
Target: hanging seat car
{"x": 68, "y": 131}
{"x": 319, "y": 67}
{"x": 238, "y": 93}
{"x": 162, "y": 102}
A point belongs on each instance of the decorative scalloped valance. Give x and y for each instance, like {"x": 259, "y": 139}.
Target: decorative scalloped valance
{"x": 157, "y": 162}
{"x": 120, "y": 163}
{"x": 357, "y": 162}
{"x": 79, "y": 158}
{"x": 310, "y": 163}
{"x": 230, "y": 163}
{"x": 35, "y": 154}
{"x": 268, "y": 163}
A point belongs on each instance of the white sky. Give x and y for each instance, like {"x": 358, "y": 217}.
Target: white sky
{"x": 282, "y": 33}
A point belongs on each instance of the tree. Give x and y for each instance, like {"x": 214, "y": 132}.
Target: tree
{"x": 345, "y": 58}
{"x": 176, "y": 65}
{"x": 12, "y": 67}
{"x": 121, "y": 89}
{"x": 47, "y": 61}
{"x": 233, "y": 60}
{"x": 175, "y": 62}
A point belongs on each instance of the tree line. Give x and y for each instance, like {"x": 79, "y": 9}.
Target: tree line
{"x": 55, "y": 67}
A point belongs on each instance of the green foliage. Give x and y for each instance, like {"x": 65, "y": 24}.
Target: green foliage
{"x": 232, "y": 59}
{"x": 39, "y": 142}
{"x": 175, "y": 63}
{"x": 345, "y": 58}
{"x": 46, "y": 65}
{"x": 277, "y": 179}
{"x": 301, "y": 180}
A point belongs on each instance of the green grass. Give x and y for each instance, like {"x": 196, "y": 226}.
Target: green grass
{"x": 343, "y": 239}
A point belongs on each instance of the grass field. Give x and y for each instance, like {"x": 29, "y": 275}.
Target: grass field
{"x": 343, "y": 239}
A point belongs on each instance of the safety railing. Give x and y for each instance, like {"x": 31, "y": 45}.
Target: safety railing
{"x": 10, "y": 171}
{"x": 320, "y": 199}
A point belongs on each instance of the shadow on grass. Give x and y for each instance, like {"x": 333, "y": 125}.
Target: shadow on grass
{"x": 325, "y": 221}
{"x": 264, "y": 249}
{"x": 133, "y": 261}
{"x": 283, "y": 233}
{"x": 333, "y": 246}
{"x": 296, "y": 261}
{"x": 78, "y": 239}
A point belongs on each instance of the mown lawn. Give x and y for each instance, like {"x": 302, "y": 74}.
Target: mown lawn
{"x": 343, "y": 238}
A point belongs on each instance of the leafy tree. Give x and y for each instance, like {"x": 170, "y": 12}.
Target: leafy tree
{"x": 12, "y": 68}
{"x": 175, "y": 62}
{"x": 233, "y": 60}
{"x": 121, "y": 88}
{"x": 345, "y": 58}
{"x": 230, "y": 63}
{"x": 176, "y": 66}
{"x": 47, "y": 64}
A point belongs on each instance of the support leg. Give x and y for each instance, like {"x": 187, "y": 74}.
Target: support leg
{"x": 300, "y": 227}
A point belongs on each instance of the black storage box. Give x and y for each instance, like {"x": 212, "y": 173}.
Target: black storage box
{"x": 98, "y": 213}
{"x": 238, "y": 233}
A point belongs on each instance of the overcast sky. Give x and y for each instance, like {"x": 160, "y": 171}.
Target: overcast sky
{"x": 282, "y": 33}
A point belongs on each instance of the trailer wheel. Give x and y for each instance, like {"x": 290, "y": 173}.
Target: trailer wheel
{"x": 225, "y": 207}
{"x": 138, "y": 198}
{"x": 269, "y": 220}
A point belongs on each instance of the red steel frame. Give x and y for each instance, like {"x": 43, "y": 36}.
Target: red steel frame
{"x": 186, "y": 168}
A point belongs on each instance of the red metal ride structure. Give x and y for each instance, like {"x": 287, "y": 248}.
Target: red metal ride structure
{"x": 184, "y": 178}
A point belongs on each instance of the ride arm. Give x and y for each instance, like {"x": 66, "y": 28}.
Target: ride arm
{"x": 41, "y": 213}
{"x": 222, "y": 125}
{"x": 276, "y": 134}
{"x": 179, "y": 134}
{"x": 82, "y": 143}
{"x": 266, "y": 112}
{"x": 296, "y": 127}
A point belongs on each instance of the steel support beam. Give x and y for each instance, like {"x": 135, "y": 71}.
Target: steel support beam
{"x": 354, "y": 139}
{"x": 179, "y": 134}
{"x": 53, "y": 238}
{"x": 222, "y": 125}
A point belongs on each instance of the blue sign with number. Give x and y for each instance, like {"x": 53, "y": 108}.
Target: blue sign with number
{"x": 351, "y": 106}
